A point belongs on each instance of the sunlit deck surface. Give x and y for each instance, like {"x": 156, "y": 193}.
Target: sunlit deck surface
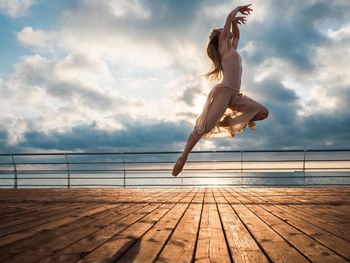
{"x": 175, "y": 225}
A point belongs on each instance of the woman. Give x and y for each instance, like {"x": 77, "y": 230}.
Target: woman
{"x": 225, "y": 106}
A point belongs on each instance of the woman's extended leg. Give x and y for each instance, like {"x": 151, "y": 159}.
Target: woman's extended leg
{"x": 215, "y": 112}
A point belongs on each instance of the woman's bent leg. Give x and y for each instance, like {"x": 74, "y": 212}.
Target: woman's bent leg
{"x": 250, "y": 111}
{"x": 261, "y": 115}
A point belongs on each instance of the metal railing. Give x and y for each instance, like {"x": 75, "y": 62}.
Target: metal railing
{"x": 254, "y": 168}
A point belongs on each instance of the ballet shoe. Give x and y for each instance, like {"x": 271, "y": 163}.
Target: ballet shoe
{"x": 178, "y": 165}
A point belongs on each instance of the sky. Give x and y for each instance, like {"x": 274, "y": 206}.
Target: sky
{"x": 126, "y": 75}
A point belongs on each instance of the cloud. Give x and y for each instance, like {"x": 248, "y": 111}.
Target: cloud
{"x": 15, "y": 8}
{"x": 189, "y": 95}
{"x": 38, "y": 96}
{"x": 137, "y": 134}
{"x": 120, "y": 8}
{"x": 35, "y": 38}
{"x": 143, "y": 60}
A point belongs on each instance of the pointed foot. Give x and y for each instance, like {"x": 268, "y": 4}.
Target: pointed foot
{"x": 178, "y": 166}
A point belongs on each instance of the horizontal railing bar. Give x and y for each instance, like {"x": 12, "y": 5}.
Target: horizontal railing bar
{"x": 120, "y": 174}
{"x": 184, "y": 185}
{"x": 299, "y": 174}
{"x": 175, "y": 152}
{"x": 169, "y": 162}
{"x": 36, "y": 185}
{"x": 185, "y": 169}
{"x": 189, "y": 177}
{"x": 229, "y": 177}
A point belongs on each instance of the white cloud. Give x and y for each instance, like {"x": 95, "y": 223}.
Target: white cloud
{"x": 41, "y": 95}
{"x": 340, "y": 34}
{"x": 120, "y": 8}
{"x": 81, "y": 67}
{"x": 35, "y": 38}
{"x": 15, "y": 8}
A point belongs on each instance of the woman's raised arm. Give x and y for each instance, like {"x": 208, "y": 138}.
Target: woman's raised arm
{"x": 245, "y": 10}
{"x": 235, "y": 30}
{"x": 226, "y": 31}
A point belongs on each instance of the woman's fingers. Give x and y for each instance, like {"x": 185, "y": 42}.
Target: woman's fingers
{"x": 240, "y": 19}
{"x": 244, "y": 9}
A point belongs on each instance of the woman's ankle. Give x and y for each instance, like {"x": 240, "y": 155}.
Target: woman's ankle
{"x": 184, "y": 156}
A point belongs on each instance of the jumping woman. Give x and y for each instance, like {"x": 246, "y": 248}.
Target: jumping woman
{"x": 225, "y": 106}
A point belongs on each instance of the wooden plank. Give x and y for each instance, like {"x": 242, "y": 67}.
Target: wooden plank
{"x": 43, "y": 221}
{"x": 333, "y": 242}
{"x": 13, "y": 208}
{"x": 82, "y": 247}
{"x": 181, "y": 245}
{"x": 277, "y": 249}
{"x": 338, "y": 228}
{"x": 115, "y": 247}
{"x": 243, "y": 246}
{"x": 40, "y": 212}
{"x": 20, "y": 246}
{"x": 297, "y": 196}
{"x": 151, "y": 243}
{"x": 39, "y": 252}
{"x": 331, "y": 212}
{"x": 211, "y": 246}
{"x": 312, "y": 249}
{"x": 13, "y": 234}
{"x": 48, "y": 226}
{"x": 80, "y": 221}
{"x": 339, "y": 211}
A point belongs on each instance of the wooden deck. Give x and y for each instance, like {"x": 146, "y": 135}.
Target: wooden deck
{"x": 175, "y": 225}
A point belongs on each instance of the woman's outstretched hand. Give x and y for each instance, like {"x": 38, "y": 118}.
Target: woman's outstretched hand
{"x": 240, "y": 19}
{"x": 244, "y": 9}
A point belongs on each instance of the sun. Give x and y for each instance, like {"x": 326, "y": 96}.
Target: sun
{"x": 199, "y": 104}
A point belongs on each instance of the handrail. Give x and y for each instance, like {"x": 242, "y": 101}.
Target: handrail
{"x": 174, "y": 152}
{"x": 304, "y": 172}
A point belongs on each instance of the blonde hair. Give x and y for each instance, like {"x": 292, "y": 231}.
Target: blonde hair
{"x": 214, "y": 55}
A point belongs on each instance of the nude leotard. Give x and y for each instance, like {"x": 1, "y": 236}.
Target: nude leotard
{"x": 231, "y": 63}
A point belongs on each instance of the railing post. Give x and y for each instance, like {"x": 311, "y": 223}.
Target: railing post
{"x": 14, "y": 171}
{"x": 124, "y": 176}
{"x": 68, "y": 171}
{"x": 304, "y": 167}
{"x": 241, "y": 168}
